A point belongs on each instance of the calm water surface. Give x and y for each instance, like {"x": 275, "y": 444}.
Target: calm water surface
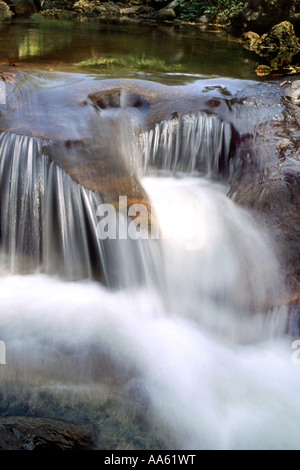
{"x": 163, "y": 52}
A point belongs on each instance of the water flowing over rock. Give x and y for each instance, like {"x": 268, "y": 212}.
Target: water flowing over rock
{"x": 189, "y": 144}
{"x": 46, "y": 216}
{"x": 172, "y": 318}
{"x": 266, "y": 180}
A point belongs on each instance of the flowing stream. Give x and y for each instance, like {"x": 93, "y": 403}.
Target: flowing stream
{"x": 174, "y": 340}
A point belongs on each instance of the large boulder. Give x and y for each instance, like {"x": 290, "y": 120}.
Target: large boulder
{"x": 266, "y": 180}
{"x": 166, "y": 14}
{"x": 279, "y": 45}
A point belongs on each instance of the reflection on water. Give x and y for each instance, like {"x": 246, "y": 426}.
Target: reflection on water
{"x": 119, "y": 50}
{"x": 35, "y": 44}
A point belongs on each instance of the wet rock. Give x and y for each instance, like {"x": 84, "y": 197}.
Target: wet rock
{"x": 166, "y": 14}
{"x": 266, "y": 180}
{"x": 262, "y": 70}
{"x": 159, "y": 102}
{"x": 24, "y": 433}
{"x": 5, "y": 11}
{"x": 275, "y": 198}
{"x": 292, "y": 93}
{"x": 118, "y": 97}
{"x": 279, "y": 45}
{"x": 249, "y": 40}
{"x": 292, "y": 100}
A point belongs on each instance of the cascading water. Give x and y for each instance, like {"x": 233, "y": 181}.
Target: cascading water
{"x": 189, "y": 143}
{"x": 45, "y": 216}
{"x": 187, "y": 346}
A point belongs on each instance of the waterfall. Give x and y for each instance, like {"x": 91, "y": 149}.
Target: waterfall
{"x": 47, "y": 220}
{"x": 183, "y": 337}
{"x": 189, "y": 143}
{"x": 49, "y": 225}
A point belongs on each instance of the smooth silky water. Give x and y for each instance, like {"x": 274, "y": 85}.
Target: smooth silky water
{"x": 174, "y": 336}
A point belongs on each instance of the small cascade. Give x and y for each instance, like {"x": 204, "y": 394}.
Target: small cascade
{"x": 49, "y": 223}
{"x": 184, "y": 335}
{"x": 189, "y": 143}
{"x": 47, "y": 220}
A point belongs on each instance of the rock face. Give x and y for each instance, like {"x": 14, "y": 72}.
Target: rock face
{"x": 292, "y": 94}
{"x": 24, "y": 433}
{"x": 267, "y": 181}
{"x": 279, "y": 45}
{"x": 57, "y": 4}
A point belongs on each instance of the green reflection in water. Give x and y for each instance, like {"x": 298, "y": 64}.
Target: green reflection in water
{"x": 118, "y": 49}
{"x": 37, "y": 44}
{"x": 133, "y": 63}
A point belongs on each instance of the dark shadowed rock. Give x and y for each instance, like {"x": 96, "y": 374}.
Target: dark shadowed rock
{"x": 260, "y": 15}
{"x": 166, "y": 14}
{"x": 23, "y": 7}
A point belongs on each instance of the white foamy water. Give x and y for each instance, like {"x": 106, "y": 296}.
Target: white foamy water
{"x": 214, "y": 373}
{"x": 204, "y": 392}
